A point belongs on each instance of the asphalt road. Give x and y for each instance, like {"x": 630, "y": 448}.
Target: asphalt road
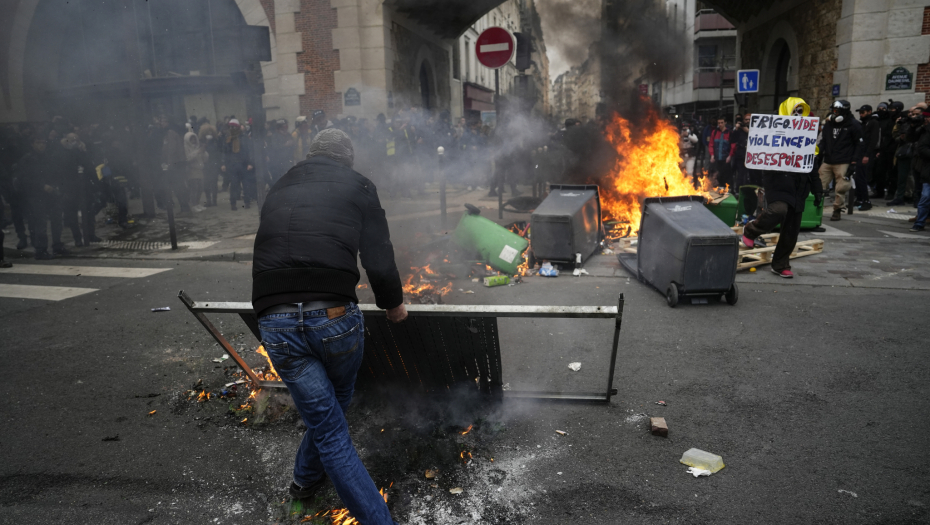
{"x": 814, "y": 392}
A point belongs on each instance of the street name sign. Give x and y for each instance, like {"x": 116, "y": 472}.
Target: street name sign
{"x": 494, "y": 47}
{"x": 747, "y": 81}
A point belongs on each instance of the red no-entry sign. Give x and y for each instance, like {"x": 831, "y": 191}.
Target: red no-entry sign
{"x": 494, "y": 47}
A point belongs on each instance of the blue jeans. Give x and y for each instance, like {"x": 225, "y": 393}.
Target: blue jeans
{"x": 923, "y": 207}
{"x": 318, "y": 359}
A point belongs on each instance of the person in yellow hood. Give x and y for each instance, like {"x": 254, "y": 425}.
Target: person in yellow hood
{"x": 785, "y": 195}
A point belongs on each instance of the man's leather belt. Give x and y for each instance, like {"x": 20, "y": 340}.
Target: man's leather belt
{"x": 333, "y": 308}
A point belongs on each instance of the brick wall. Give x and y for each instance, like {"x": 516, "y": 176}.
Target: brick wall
{"x": 318, "y": 61}
{"x": 814, "y": 24}
{"x": 268, "y": 6}
{"x": 922, "y": 82}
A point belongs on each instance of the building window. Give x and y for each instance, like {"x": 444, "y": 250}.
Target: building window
{"x": 457, "y": 62}
{"x": 707, "y": 56}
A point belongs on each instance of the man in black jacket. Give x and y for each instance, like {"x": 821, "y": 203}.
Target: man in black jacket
{"x": 884, "y": 171}
{"x": 785, "y": 196}
{"x": 238, "y": 165}
{"x": 841, "y": 136}
{"x": 922, "y": 173}
{"x": 36, "y": 177}
{"x": 315, "y": 221}
{"x": 868, "y": 147}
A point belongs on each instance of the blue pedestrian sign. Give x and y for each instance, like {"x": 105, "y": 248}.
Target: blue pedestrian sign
{"x": 747, "y": 81}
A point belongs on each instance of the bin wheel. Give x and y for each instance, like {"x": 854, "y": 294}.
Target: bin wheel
{"x": 671, "y": 295}
{"x": 732, "y": 295}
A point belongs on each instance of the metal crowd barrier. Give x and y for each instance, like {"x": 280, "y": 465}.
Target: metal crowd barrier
{"x": 436, "y": 347}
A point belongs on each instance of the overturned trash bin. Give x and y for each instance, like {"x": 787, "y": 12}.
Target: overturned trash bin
{"x": 500, "y": 247}
{"x": 684, "y": 250}
{"x": 567, "y": 223}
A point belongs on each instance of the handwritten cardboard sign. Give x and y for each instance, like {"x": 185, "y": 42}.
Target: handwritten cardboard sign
{"x": 782, "y": 143}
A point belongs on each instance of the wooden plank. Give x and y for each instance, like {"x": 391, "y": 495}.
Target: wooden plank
{"x": 761, "y": 256}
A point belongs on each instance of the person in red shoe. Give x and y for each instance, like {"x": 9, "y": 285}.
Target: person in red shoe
{"x": 785, "y": 195}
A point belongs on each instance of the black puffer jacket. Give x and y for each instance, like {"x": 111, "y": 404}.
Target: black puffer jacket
{"x": 790, "y": 188}
{"x": 922, "y": 157}
{"x": 841, "y": 141}
{"x": 315, "y": 221}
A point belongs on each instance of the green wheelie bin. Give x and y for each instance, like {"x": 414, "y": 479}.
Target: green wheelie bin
{"x": 500, "y": 247}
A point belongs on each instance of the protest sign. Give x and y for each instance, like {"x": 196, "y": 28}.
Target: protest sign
{"x": 782, "y": 143}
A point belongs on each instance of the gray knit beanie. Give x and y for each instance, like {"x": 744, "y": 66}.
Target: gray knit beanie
{"x": 335, "y": 144}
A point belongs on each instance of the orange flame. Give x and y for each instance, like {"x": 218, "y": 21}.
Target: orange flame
{"x": 341, "y": 516}
{"x": 647, "y": 166}
{"x": 467, "y": 430}
{"x": 419, "y": 283}
{"x": 272, "y": 374}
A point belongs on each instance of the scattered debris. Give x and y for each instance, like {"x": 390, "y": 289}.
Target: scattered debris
{"x": 697, "y": 472}
{"x": 152, "y": 413}
{"x": 468, "y": 291}
{"x": 578, "y": 272}
{"x": 221, "y": 359}
{"x": 162, "y": 309}
{"x": 496, "y": 280}
{"x": 561, "y": 432}
{"x": 548, "y": 271}
{"x": 111, "y": 438}
{"x": 431, "y": 473}
{"x": 506, "y": 386}
{"x": 752, "y": 270}
{"x": 575, "y": 366}
{"x": 658, "y": 426}
{"x": 702, "y": 460}
{"x": 456, "y": 490}
{"x": 662, "y": 403}
{"x": 851, "y": 493}
{"x": 874, "y": 261}
{"x": 239, "y": 382}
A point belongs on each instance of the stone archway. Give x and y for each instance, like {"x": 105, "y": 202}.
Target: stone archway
{"x": 779, "y": 74}
{"x": 425, "y": 73}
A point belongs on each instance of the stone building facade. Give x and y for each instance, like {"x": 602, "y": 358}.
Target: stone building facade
{"x": 346, "y": 57}
{"x": 823, "y": 50}
{"x": 577, "y": 92}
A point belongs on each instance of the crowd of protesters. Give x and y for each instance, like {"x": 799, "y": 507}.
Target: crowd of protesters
{"x": 57, "y": 174}
{"x": 885, "y": 154}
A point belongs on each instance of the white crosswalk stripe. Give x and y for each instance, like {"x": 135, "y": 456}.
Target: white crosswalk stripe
{"x": 86, "y": 271}
{"x": 58, "y": 293}
{"x": 44, "y": 293}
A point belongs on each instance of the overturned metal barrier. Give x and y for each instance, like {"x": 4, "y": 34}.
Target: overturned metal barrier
{"x": 437, "y": 347}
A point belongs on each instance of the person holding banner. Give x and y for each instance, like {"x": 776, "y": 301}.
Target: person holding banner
{"x": 786, "y": 189}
